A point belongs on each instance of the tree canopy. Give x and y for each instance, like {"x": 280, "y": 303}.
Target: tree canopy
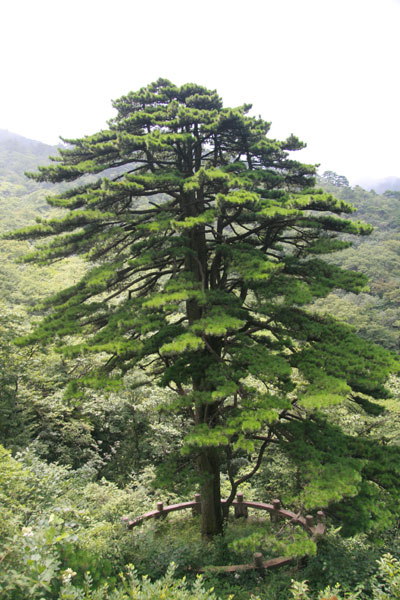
{"x": 206, "y": 240}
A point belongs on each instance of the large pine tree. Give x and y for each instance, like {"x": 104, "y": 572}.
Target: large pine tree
{"x": 205, "y": 238}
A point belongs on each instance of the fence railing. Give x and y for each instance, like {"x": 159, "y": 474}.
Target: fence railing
{"x": 315, "y": 527}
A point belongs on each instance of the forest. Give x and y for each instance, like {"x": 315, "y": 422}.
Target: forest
{"x": 188, "y": 311}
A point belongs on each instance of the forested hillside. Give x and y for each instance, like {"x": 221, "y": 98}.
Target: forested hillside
{"x": 98, "y": 422}
{"x": 22, "y": 202}
{"x": 374, "y": 313}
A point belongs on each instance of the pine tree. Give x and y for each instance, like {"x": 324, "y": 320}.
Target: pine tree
{"x": 206, "y": 240}
{"x": 335, "y": 179}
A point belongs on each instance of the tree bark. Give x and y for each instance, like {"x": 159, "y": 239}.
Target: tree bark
{"x": 208, "y": 461}
{"x": 211, "y": 513}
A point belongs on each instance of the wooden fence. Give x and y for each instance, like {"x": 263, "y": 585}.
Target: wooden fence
{"x": 314, "y": 527}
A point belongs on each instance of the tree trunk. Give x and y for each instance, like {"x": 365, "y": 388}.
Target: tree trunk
{"x": 211, "y": 513}
{"x": 208, "y": 459}
{"x": 208, "y": 463}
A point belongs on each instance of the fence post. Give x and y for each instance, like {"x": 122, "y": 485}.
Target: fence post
{"x": 321, "y": 528}
{"x": 309, "y": 521}
{"x": 160, "y": 508}
{"x": 240, "y": 508}
{"x": 257, "y": 560}
{"x": 275, "y": 513}
{"x": 196, "y": 510}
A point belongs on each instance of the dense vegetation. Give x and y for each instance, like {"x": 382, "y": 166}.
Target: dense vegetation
{"x": 85, "y": 446}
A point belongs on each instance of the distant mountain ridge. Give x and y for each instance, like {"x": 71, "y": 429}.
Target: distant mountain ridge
{"x": 19, "y": 154}
{"x": 381, "y": 185}
{"x": 14, "y": 140}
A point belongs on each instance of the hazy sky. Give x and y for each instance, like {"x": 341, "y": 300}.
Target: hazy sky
{"x": 326, "y": 70}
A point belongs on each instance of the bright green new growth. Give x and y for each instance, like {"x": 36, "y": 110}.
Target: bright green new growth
{"x": 203, "y": 234}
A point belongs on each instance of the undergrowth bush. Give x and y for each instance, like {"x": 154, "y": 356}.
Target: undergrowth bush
{"x": 136, "y": 588}
{"x": 384, "y": 585}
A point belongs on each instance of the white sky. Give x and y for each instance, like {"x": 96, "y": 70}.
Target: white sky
{"x": 326, "y": 70}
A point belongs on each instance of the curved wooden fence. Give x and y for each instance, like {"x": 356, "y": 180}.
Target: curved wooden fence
{"x": 314, "y": 527}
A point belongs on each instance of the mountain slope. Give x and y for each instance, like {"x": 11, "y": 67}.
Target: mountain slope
{"x": 19, "y": 154}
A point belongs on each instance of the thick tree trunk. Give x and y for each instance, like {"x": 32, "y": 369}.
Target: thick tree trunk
{"x": 208, "y": 463}
{"x": 208, "y": 459}
{"x": 211, "y": 513}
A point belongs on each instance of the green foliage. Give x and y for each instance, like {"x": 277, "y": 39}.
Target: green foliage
{"x": 137, "y": 588}
{"x": 35, "y": 561}
{"x": 55, "y": 519}
{"x": 385, "y": 586}
{"x": 14, "y": 490}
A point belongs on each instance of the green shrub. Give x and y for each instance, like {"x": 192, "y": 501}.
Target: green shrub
{"x": 385, "y": 585}
{"x": 135, "y": 588}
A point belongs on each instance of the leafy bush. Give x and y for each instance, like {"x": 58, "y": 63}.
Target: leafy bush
{"x": 32, "y": 559}
{"x": 14, "y": 492}
{"x": 133, "y": 587}
{"x": 352, "y": 561}
{"x": 384, "y": 586}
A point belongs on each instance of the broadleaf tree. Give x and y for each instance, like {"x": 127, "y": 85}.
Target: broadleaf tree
{"x": 205, "y": 238}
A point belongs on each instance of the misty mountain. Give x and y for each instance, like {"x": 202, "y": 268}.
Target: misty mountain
{"x": 19, "y": 154}
{"x": 381, "y": 185}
